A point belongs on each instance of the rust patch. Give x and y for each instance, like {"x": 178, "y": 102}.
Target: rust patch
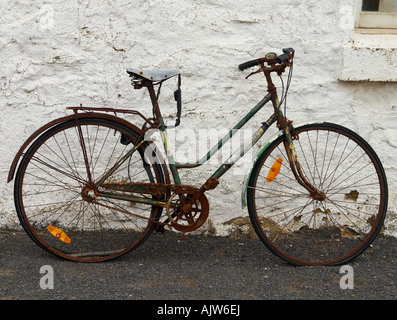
{"x": 352, "y": 195}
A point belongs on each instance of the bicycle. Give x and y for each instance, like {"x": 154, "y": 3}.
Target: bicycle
{"x": 90, "y": 187}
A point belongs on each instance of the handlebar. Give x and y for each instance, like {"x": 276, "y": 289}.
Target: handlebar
{"x": 248, "y": 64}
{"x": 270, "y": 58}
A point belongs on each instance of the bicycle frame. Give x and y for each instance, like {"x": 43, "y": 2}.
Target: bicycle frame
{"x": 175, "y": 166}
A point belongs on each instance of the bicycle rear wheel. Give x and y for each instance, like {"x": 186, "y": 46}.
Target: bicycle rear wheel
{"x": 53, "y": 182}
{"x": 305, "y": 231}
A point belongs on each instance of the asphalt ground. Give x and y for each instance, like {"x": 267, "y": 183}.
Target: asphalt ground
{"x": 173, "y": 268}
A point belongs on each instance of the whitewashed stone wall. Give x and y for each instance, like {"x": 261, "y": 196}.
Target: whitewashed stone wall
{"x": 55, "y": 54}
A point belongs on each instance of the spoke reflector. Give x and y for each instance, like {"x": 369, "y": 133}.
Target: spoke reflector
{"x": 59, "y": 233}
{"x": 274, "y": 170}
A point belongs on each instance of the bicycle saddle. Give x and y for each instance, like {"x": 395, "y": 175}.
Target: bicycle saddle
{"x": 152, "y": 75}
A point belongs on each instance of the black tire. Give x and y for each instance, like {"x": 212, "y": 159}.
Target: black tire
{"x": 305, "y": 231}
{"x": 49, "y": 184}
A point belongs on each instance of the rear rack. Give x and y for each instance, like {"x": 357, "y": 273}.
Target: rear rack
{"x": 113, "y": 110}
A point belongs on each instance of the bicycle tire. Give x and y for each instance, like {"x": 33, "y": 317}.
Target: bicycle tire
{"x": 49, "y": 187}
{"x": 305, "y": 231}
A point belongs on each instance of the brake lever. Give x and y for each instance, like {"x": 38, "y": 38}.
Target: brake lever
{"x": 255, "y": 72}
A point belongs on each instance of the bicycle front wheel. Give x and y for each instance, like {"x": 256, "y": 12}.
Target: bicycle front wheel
{"x": 306, "y": 231}
{"x": 56, "y": 196}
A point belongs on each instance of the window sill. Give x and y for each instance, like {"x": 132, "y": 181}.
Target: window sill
{"x": 376, "y": 31}
{"x": 370, "y": 56}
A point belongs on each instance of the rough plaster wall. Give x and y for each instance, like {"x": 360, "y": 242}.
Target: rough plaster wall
{"x": 55, "y": 54}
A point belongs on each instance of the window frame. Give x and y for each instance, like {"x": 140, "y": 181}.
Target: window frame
{"x": 374, "y": 20}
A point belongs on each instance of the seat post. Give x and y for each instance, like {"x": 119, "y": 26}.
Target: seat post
{"x": 154, "y": 99}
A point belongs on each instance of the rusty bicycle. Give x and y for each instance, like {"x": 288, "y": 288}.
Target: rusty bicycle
{"x": 89, "y": 187}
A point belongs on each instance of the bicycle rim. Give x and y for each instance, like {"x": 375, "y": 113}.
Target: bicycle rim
{"x": 50, "y": 184}
{"x": 305, "y": 231}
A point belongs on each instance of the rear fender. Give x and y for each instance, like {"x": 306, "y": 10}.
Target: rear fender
{"x": 92, "y": 115}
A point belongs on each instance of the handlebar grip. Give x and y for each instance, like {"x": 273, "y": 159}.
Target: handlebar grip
{"x": 282, "y": 58}
{"x": 248, "y": 64}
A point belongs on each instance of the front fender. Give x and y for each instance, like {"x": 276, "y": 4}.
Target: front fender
{"x": 269, "y": 141}
{"x": 53, "y": 123}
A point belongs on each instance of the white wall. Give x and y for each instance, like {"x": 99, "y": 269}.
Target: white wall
{"x": 55, "y": 54}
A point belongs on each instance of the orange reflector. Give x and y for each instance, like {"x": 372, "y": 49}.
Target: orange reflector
{"x": 274, "y": 170}
{"x": 59, "y": 233}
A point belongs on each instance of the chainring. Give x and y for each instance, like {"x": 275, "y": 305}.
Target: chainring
{"x": 186, "y": 216}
